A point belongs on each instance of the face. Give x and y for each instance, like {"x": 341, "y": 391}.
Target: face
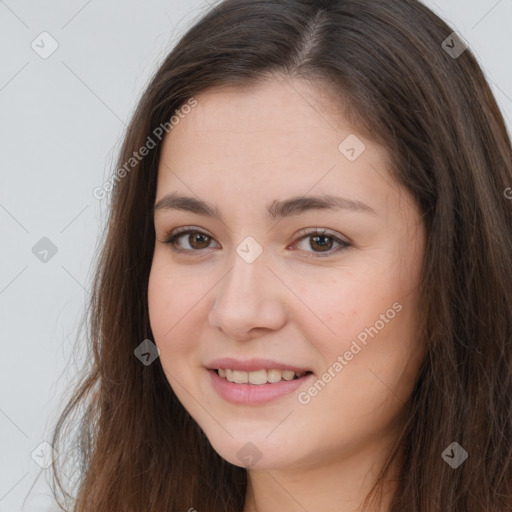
{"x": 252, "y": 276}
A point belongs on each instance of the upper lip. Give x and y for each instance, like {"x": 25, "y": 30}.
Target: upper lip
{"x": 251, "y": 365}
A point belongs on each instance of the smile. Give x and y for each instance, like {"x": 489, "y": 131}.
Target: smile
{"x": 261, "y": 390}
{"x": 259, "y": 377}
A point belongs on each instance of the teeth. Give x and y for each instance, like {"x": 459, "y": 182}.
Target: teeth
{"x": 273, "y": 375}
{"x": 240, "y": 377}
{"x": 258, "y": 377}
{"x": 288, "y": 375}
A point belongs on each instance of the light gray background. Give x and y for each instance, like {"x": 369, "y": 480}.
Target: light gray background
{"x": 61, "y": 121}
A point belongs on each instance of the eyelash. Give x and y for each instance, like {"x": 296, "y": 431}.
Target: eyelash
{"x": 176, "y": 234}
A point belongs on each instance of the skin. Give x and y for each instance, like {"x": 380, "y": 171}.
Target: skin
{"x": 240, "y": 149}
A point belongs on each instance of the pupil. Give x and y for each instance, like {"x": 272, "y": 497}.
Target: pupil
{"x": 197, "y": 239}
{"x": 325, "y": 238}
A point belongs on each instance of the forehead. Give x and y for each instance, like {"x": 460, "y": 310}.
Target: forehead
{"x": 275, "y": 138}
{"x": 269, "y": 107}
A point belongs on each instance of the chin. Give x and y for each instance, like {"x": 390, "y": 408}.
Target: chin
{"x": 253, "y": 452}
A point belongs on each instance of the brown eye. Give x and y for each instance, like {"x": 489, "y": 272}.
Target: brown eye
{"x": 320, "y": 244}
{"x": 196, "y": 241}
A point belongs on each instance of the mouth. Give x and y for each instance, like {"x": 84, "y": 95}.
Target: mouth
{"x": 259, "y": 377}
{"x": 257, "y": 387}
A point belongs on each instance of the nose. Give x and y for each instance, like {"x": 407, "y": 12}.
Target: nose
{"x": 250, "y": 301}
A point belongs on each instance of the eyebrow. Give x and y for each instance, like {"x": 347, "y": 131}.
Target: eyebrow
{"x": 275, "y": 210}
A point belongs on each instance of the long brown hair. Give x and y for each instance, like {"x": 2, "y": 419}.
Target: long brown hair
{"x": 136, "y": 448}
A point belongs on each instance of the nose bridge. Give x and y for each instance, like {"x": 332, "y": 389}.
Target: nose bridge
{"x": 245, "y": 298}
{"x": 244, "y": 284}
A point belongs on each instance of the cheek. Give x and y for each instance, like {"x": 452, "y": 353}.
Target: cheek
{"x": 173, "y": 303}
{"x": 368, "y": 315}
{"x": 370, "y": 363}
{"x": 342, "y": 307}
{"x": 160, "y": 300}
{"x": 173, "y": 293}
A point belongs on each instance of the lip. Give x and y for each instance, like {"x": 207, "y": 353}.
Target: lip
{"x": 251, "y": 365}
{"x": 252, "y": 394}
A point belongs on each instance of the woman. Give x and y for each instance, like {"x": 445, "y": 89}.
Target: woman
{"x": 304, "y": 299}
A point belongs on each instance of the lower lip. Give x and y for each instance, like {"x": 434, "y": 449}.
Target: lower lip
{"x": 254, "y": 393}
